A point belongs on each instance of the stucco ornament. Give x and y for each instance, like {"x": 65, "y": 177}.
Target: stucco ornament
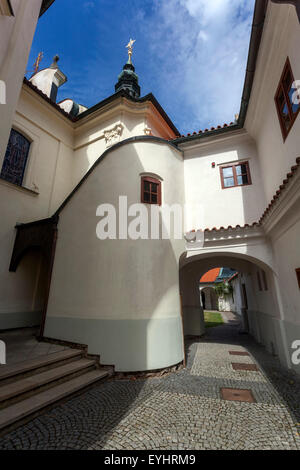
{"x": 113, "y": 135}
{"x": 148, "y": 131}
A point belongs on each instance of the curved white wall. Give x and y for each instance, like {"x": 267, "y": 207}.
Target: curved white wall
{"x": 121, "y": 297}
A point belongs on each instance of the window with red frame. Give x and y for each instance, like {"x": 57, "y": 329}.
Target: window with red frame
{"x": 287, "y": 101}
{"x": 151, "y": 191}
{"x": 235, "y": 175}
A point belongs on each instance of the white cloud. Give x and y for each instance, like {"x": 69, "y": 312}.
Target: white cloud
{"x": 201, "y": 47}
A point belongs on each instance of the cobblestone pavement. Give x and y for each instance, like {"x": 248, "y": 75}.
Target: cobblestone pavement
{"x": 182, "y": 410}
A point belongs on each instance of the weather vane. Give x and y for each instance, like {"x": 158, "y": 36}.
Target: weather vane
{"x": 130, "y": 50}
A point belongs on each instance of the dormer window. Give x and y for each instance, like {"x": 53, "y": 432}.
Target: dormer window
{"x": 15, "y": 159}
{"x": 286, "y": 100}
{"x": 150, "y": 190}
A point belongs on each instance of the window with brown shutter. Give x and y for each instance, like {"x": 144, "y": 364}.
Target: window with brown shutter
{"x": 235, "y": 175}
{"x": 150, "y": 190}
{"x": 287, "y": 107}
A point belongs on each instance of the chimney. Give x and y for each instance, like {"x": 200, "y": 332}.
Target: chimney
{"x": 49, "y": 80}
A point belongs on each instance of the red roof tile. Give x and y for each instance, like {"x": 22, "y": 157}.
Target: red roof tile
{"x": 211, "y": 275}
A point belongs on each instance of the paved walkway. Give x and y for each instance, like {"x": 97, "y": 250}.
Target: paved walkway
{"x": 180, "y": 411}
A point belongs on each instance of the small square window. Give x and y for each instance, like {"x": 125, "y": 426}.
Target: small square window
{"x": 235, "y": 175}
{"x": 150, "y": 190}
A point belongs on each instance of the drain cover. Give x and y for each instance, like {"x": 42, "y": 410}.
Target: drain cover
{"x": 236, "y": 394}
{"x": 238, "y": 366}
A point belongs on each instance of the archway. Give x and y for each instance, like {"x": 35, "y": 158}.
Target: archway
{"x": 260, "y": 309}
{"x": 209, "y": 298}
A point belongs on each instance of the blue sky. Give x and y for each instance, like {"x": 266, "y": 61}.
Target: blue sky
{"x": 191, "y": 54}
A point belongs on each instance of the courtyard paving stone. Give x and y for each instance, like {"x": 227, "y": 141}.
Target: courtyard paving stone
{"x": 182, "y": 410}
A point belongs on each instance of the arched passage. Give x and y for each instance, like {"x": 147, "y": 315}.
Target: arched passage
{"x": 209, "y": 298}
{"x": 260, "y": 308}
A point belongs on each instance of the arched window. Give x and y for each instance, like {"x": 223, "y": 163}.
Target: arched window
{"x": 15, "y": 158}
{"x": 150, "y": 190}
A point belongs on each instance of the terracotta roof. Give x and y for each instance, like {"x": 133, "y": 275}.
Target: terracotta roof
{"x": 211, "y": 275}
{"x": 205, "y": 131}
{"x": 230, "y": 227}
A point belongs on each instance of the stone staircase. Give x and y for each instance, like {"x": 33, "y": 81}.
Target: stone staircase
{"x": 28, "y": 387}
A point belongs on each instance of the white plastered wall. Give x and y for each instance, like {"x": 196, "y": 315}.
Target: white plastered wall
{"x": 121, "y": 297}
{"x": 281, "y": 39}
{"x": 222, "y": 207}
{"x": 16, "y": 34}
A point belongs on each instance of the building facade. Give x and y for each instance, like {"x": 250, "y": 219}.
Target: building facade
{"x": 131, "y": 300}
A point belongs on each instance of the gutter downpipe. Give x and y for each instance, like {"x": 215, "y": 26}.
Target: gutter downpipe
{"x": 256, "y": 35}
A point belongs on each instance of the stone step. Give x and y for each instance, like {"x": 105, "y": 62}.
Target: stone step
{"x": 38, "y": 362}
{"x": 29, "y": 406}
{"x": 30, "y": 383}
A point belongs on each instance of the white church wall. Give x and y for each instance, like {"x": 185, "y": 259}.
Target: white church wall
{"x": 281, "y": 39}
{"x": 122, "y": 120}
{"x": 287, "y": 255}
{"x": 94, "y": 137}
{"x": 16, "y": 34}
{"x": 47, "y": 181}
{"x": 130, "y": 296}
{"x": 264, "y": 314}
{"x": 222, "y": 207}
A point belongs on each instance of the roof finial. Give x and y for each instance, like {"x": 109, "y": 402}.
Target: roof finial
{"x": 130, "y": 50}
{"x": 54, "y": 63}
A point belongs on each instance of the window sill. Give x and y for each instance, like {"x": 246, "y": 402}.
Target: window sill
{"x": 237, "y": 186}
{"x": 18, "y": 188}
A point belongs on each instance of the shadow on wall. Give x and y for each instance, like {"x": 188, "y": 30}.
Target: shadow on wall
{"x": 120, "y": 297}
{"x": 29, "y": 287}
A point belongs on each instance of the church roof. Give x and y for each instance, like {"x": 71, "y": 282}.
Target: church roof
{"x": 122, "y": 93}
